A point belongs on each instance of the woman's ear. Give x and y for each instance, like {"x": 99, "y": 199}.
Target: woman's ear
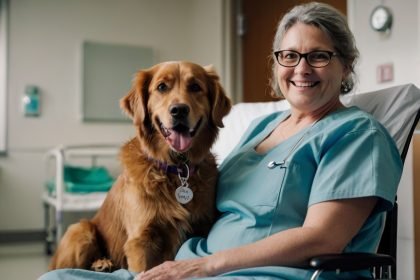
{"x": 347, "y": 70}
{"x": 220, "y": 104}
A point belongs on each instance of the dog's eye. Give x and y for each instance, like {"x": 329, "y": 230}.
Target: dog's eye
{"x": 194, "y": 87}
{"x": 162, "y": 87}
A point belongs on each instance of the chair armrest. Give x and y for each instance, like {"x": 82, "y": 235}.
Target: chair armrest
{"x": 350, "y": 261}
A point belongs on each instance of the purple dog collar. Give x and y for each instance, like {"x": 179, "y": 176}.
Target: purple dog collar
{"x": 181, "y": 169}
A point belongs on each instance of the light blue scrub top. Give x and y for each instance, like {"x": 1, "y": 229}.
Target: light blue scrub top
{"x": 347, "y": 154}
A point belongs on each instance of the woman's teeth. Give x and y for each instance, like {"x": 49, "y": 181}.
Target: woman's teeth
{"x": 304, "y": 84}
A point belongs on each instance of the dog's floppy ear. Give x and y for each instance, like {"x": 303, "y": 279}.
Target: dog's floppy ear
{"x": 135, "y": 102}
{"x": 219, "y": 102}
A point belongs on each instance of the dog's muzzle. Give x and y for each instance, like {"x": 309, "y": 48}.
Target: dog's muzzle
{"x": 180, "y": 135}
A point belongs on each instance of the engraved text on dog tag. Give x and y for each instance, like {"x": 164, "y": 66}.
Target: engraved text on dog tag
{"x": 183, "y": 194}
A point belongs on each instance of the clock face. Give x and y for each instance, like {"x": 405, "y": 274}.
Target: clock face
{"x": 381, "y": 18}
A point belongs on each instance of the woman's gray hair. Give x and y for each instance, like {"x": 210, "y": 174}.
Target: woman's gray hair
{"x": 331, "y": 22}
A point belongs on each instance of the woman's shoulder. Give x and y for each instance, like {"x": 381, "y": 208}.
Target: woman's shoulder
{"x": 352, "y": 119}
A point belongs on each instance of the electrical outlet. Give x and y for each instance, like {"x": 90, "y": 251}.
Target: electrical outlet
{"x": 385, "y": 73}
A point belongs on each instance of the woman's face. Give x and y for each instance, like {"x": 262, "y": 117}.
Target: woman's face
{"x": 310, "y": 89}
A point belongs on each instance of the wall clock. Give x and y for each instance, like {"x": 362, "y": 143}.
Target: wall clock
{"x": 381, "y": 18}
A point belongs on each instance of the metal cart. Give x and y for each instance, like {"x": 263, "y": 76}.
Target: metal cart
{"x": 59, "y": 199}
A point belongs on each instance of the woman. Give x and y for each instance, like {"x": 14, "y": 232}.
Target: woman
{"x": 309, "y": 181}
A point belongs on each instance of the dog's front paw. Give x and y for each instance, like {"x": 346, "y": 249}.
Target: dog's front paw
{"x": 102, "y": 265}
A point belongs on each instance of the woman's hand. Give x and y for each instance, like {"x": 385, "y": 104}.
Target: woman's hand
{"x": 173, "y": 270}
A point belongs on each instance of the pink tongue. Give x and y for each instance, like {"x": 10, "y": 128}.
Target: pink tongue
{"x": 179, "y": 142}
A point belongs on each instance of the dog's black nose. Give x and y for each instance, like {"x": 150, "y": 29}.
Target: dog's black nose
{"x": 179, "y": 111}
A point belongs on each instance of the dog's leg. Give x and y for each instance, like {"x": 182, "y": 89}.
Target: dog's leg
{"x": 78, "y": 248}
{"x": 142, "y": 253}
{"x": 147, "y": 250}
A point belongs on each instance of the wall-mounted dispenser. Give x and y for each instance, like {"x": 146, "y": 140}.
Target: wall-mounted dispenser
{"x": 31, "y": 101}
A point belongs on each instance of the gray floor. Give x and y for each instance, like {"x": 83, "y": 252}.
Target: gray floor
{"x": 22, "y": 261}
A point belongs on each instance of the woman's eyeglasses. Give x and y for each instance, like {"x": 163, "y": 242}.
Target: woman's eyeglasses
{"x": 317, "y": 59}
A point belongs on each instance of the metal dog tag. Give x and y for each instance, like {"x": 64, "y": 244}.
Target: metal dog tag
{"x": 183, "y": 194}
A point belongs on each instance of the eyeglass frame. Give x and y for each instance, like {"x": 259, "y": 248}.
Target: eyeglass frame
{"x": 331, "y": 54}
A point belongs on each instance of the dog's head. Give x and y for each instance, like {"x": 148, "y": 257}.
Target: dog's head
{"x": 177, "y": 108}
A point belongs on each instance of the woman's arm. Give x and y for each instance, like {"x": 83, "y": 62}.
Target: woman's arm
{"x": 328, "y": 228}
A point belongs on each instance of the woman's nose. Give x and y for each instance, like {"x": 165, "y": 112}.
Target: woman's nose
{"x": 303, "y": 67}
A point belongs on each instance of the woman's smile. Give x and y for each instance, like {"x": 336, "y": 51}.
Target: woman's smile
{"x": 304, "y": 84}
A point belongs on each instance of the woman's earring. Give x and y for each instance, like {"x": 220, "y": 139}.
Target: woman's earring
{"x": 345, "y": 86}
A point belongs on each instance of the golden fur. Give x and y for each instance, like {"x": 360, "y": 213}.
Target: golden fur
{"x": 177, "y": 108}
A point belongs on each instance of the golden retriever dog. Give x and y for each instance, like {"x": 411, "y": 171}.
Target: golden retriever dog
{"x": 166, "y": 190}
